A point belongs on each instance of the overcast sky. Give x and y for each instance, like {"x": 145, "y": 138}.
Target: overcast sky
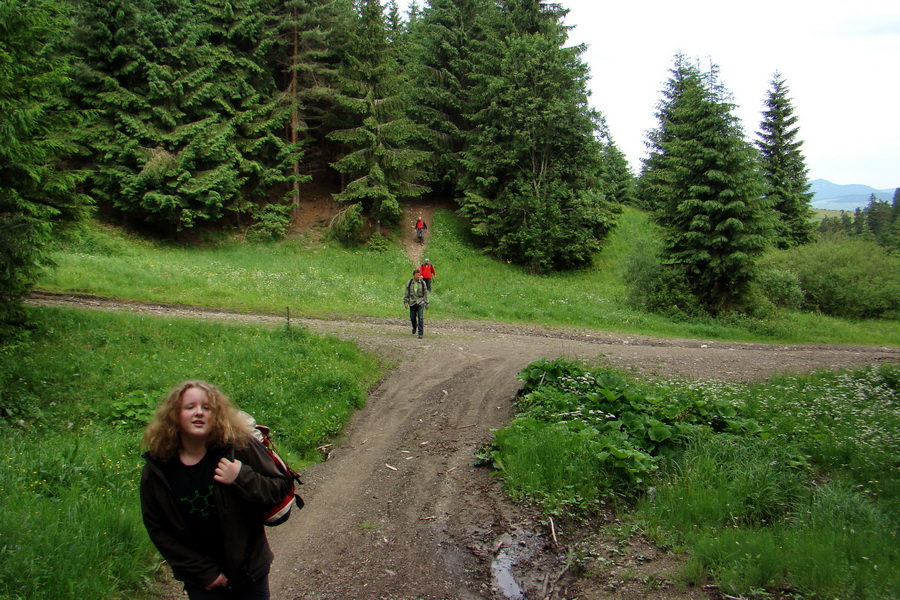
{"x": 840, "y": 59}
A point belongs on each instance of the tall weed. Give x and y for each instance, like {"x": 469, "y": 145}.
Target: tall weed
{"x": 70, "y": 524}
{"x": 787, "y": 486}
{"x": 846, "y": 422}
{"x": 607, "y": 432}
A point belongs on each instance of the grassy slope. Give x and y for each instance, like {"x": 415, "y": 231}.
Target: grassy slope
{"x": 77, "y": 394}
{"x": 321, "y": 279}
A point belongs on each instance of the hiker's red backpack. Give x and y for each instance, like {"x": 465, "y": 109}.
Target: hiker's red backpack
{"x": 281, "y": 511}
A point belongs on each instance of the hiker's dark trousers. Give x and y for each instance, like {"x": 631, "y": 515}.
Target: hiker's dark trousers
{"x": 417, "y": 317}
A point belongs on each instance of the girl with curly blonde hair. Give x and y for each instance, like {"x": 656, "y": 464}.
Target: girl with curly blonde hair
{"x": 204, "y": 490}
{"x": 162, "y": 437}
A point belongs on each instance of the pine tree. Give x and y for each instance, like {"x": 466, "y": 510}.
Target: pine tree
{"x": 895, "y": 206}
{"x": 876, "y": 218}
{"x": 701, "y": 176}
{"x": 38, "y": 197}
{"x": 532, "y": 160}
{"x": 116, "y": 44}
{"x": 846, "y": 223}
{"x": 382, "y": 161}
{"x": 188, "y": 119}
{"x": 859, "y": 222}
{"x": 893, "y": 238}
{"x": 440, "y": 72}
{"x": 618, "y": 180}
{"x": 316, "y": 32}
{"x": 246, "y": 107}
{"x": 784, "y": 169}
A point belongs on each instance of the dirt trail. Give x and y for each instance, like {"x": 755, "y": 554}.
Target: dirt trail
{"x": 414, "y": 250}
{"x": 399, "y": 512}
{"x": 430, "y": 528}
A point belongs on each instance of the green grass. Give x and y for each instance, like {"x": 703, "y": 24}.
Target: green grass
{"x": 790, "y": 485}
{"x": 821, "y": 213}
{"x": 322, "y": 279}
{"x": 756, "y": 526}
{"x": 318, "y": 279}
{"x": 76, "y": 397}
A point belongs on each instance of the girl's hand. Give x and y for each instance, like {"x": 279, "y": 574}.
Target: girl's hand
{"x": 227, "y": 471}
{"x": 221, "y": 581}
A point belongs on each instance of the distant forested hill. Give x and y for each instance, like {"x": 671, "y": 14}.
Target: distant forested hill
{"x": 845, "y": 197}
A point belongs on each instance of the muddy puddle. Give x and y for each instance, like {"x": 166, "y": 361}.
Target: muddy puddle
{"x": 515, "y": 567}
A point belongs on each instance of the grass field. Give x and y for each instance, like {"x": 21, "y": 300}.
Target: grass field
{"x": 77, "y": 397}
{"x": 322, "y": 279}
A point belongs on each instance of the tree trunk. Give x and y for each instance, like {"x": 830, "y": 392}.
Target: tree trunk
{"x": 294, "y": 117}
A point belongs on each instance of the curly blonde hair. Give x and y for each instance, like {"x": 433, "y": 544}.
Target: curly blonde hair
{"x": 162, "y": 438}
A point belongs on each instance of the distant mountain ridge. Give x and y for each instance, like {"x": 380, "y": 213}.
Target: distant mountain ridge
{"x": 834, "y": 196}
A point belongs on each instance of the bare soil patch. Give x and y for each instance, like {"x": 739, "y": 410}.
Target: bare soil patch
{"x": 318, "y": 207}
{"x": 400, "y": 512}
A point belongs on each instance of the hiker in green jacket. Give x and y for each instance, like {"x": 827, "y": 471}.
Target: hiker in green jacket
{"x": 415, "y": 298}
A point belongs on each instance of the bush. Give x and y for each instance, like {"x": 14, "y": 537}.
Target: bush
{"x": 661, "y": 289}
{"x": 780, "y": 286}
{"x": 272, "y": 222}
{"x": 846, "y": 278}
{"x": 379, "y": 243}
{"x": 348, "y": 223}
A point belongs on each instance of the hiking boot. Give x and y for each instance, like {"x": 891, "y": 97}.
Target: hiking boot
{"x": 420, "y": 336}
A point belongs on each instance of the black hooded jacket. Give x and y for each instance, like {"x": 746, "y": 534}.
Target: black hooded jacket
{"x": 240, "y": 506}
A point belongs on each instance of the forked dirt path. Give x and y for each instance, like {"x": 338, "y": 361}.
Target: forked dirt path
{"x": 399, "y": 512}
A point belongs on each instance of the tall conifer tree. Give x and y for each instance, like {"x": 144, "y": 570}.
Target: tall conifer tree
{"x": 116, "y": 42}
{"x": 532, "y": 191}
{"x": 315, "y": 35}
{"x": 188, "y": 119}
{"x": 784, "y": 169}
{"x": 701, "y": 178}
{"x": 618, "y": 180}
{"x": 38, "y": 196}
{"x": 441, "y": 73}
{"x": 381, "y": 161}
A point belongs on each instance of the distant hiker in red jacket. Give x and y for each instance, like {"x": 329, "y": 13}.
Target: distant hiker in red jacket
{"x": 427, "y": 271}
{"x": 420, "y": 230}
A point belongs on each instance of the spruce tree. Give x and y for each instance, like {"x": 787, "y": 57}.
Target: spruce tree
{"x": 532, "y": 191}
{"x": 701, "y": 177}
{"x": 877, "y": 220}
{"x": 893, "y": 237}
{"x": 246, "y": 107}
{"x": 187, "y": 120}
{"x": 116, "y": 45}
{"x": 784, "y": 169}
{"x": 381, "y": 158}
{"x": 38, "y": 196}
{"x": 314, "y": 37}
{"x": 618, "y": 180}
{"x": 441, "y": 72}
